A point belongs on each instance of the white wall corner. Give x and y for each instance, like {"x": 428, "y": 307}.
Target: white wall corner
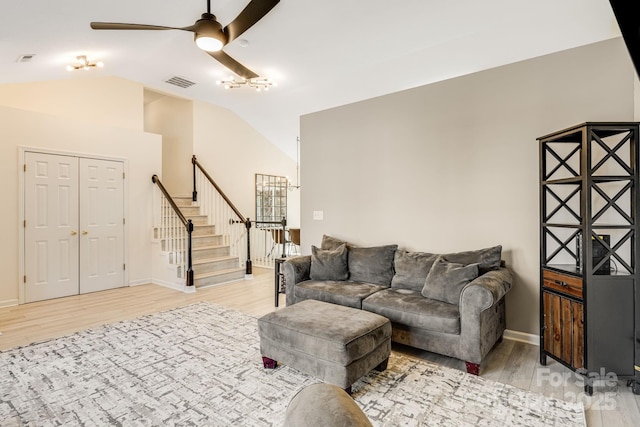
{"x": 522, "y": 337}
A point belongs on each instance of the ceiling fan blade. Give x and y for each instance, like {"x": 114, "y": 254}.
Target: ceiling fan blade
{"x": 251, "y": 14}
{"x": 120, "y": 26}
{"x": 233, "y": 65}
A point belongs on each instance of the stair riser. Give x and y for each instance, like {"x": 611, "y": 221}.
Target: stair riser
{"x": 199, "y": 254}
{"x": 203, "y": 230}
{"x": 213, "y": 266}
{"x": 186, "y": 210}
{"x": 183, "y": 201}
{"x": 214, "y": 280}
{"x": 201, "y": 241}
{"x": 197, "y": 242}
{"x": 197, "y": 219}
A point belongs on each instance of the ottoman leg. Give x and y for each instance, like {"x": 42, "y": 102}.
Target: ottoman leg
{"x": 348, "y": 390}
{"x": 269, "y": 363}
{"x": 382, "y": 366}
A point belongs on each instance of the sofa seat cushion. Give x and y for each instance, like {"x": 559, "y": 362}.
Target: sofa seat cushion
{"x": 348, "y": 294}
{"x": 410, "y": 308}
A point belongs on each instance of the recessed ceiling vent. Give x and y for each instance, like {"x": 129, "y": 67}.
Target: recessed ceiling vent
{"x": 180, "y": 82}
{"x": 26, "y": 58}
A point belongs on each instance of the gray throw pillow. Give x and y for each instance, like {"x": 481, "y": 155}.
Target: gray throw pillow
{"x": 329, "y": 242}
{"x": 411, "y": 269}
{"x": 446, "y": 280}
{"x": 372, "y": 265}
{"x": 329, "y": 264}
{"x": 488, "y": 258}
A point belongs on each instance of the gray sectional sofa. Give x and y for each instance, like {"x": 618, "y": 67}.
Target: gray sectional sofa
{"x": 450, "y": 304}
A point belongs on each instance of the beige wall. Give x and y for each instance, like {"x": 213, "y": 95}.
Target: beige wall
{"x": 108, "y": 101}
{"x": 143, "y": 152}
{"x": 454, "y": 165}
{"x": 103, "y": 127}
{"x": 173, "y": 119}
{"x": 107, "y": 117}
{"x": 233, "y": 152}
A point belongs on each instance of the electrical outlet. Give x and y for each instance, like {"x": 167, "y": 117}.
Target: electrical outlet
{"x": 318, "y": 215}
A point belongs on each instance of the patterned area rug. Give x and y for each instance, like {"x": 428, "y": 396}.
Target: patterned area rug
{"x": 200, "y": 365}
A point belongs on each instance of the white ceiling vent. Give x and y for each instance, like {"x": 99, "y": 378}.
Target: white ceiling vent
{"x": 180, "y": 82}
{"x": 26, "y": 58}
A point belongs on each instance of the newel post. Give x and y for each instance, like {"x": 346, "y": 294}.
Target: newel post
{"x": 284, "y": 237}
{"x": 194, "y": 195}
{"x": 249, "y": 269}
{"x": 189, "y": 257}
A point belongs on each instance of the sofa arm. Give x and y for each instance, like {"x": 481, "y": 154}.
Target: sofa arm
{"x": 295, "y": 270}
{"x": 486, "y": 290}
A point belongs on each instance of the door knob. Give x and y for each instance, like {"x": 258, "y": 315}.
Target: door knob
{"x": 84, "y": 232}
{"x": 74, "y": 232}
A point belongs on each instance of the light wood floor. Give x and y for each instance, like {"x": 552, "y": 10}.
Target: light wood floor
{"x": 510, "y": 362}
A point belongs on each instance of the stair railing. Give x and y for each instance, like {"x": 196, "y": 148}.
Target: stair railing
{"x": 222, "y": 213}
{"x": 268, "y": 238}
{"x": 175, "y": 232}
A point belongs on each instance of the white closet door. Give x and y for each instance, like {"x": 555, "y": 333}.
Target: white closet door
{"x": 101, "y": 225}
{"x": 51, "y": 221}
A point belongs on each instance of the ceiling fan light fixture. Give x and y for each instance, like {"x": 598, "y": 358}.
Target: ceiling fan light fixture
{"x": 208, "y": 33}
{"x": 208, "y": 43}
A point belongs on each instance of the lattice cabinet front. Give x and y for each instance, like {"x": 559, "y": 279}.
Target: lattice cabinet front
{"x": 589, "y": 250}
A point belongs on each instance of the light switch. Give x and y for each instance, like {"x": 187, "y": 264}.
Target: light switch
{"x": 318, "y": 215}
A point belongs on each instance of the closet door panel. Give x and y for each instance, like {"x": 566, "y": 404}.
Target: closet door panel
{"x": 51, "y": 226}
{"x": 102, "y": 225}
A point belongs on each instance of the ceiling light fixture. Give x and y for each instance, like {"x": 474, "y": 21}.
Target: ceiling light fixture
{"x": 84, "y": 64}
{"x": 208, "y": 33}
{"x": 257, "y": 83}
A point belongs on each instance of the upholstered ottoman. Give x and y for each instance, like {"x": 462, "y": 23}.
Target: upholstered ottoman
{"x": 334, "y": 343}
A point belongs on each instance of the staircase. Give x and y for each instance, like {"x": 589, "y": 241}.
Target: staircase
{"x": 212, "y": 262}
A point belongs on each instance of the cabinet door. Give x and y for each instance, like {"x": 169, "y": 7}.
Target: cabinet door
{"x": 563, "y": 329}
{"x": 578, "y": 334}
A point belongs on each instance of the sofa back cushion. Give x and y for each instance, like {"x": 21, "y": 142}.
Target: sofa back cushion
{"x": 411, "y": 269}
{"x": 330, "y": 242}
{"x": 446, "y": 280}
{"x": 372, "y": 265}
{"x": 329, "y": 264}
{"x": 487, "y": 259}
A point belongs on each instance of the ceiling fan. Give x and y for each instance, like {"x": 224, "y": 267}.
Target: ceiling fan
{"x": 209, "y": 34}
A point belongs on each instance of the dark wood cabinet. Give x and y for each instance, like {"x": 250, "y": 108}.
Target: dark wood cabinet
{"x": 589, "y": 250}
{"x": 563, "y": 329}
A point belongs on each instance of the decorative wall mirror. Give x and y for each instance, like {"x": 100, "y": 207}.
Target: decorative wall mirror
{"x": 271, "y": 199}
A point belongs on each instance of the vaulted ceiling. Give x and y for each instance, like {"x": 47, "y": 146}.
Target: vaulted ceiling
{"x": 322, "y": 53}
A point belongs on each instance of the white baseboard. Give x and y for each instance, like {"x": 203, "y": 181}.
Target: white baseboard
{"x": 140, "y": 282}
{"x": 522, "y": 337}
{"x": 9, "y": 303}
{"x": 177, "y": 286}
